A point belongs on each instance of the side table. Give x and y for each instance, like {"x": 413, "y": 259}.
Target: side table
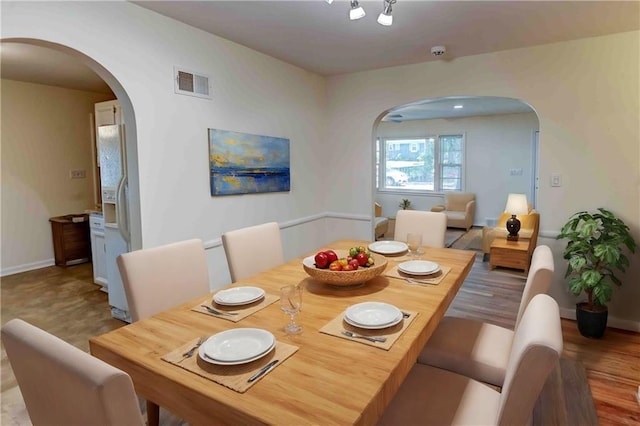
{"x": 71, "y": 239}
{"x": 510, "y": 254}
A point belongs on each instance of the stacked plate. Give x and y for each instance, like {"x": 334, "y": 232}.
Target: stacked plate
{"x": 388, "y": 247}
{"x": 373, "y": 315}
{"x": 237, "y": 346}
{"x": 238, "y": 296}
{"x": 419, "y": 267}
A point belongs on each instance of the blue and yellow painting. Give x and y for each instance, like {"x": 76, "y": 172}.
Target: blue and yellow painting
{"x": 241, "y": 163}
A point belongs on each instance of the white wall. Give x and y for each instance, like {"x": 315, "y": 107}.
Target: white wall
{"x": 46, "y": 133}
{"x": 252, "y": 93}
{"x": 494, "y": 144}
{"x": 585, "y": 93}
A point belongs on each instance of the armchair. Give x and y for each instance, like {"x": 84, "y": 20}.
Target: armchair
{"x": 381, "y": 223}
{"x": 460, "y": 208}
{"x": 529, "y": 226}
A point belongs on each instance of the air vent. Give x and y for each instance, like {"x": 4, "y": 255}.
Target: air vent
{"x": 191, "y": 83}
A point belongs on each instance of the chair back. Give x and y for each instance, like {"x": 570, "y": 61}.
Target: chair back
{"x": 457, "y": 201}
{"x": 538, "y": 278}
{"x": 62, "y": 385}
{"x": 160, "y": 278}
{"x": 260, "y": 243}
{"x": 432, "y": 226}
{"x": 536, "y": 349}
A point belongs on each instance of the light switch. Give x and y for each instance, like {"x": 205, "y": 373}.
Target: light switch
{"x": 77, "y": 174}
{"x": 556, "y": 179}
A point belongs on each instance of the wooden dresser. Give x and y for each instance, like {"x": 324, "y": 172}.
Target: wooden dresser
{"x": 71, "y": 239}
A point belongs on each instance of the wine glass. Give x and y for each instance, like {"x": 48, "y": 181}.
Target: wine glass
{"x": 291, "y": 302}
{"x": 414, "y": 241}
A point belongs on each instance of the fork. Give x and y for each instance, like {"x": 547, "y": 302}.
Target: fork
{"x": 217, "y": 312}
{"x": 189, "y": 353}
{"x": 415, "y": 281}
{"x": 360, "y": 336}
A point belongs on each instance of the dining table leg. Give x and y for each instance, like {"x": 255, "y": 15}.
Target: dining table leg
{"x": 153, "y": 413}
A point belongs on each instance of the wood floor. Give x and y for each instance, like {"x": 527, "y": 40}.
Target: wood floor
{"x": 64, "y": 302}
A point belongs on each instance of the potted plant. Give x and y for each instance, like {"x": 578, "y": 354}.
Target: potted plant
{"x": 594, "y": 253}
{"x": 405, "y": 204}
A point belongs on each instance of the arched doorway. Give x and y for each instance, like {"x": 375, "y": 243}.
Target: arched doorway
{"x": 480, "y": 144}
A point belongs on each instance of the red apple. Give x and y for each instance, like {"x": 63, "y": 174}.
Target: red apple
{"x": 331, "y": 255}
{"x": 354, "y": 264}
{"x": 362, "y": 259}
{"x": 322, "y": 260}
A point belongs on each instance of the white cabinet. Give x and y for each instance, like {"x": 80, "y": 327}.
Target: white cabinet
{"x": 98, "y": 250}
{"x": 108, "y": 112}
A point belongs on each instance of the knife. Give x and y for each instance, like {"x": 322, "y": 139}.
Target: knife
{"x": 262, "y": 371}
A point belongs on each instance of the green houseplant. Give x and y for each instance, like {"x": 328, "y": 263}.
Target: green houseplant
{"x": 594, "y": 253}
{"x": 405, "y": 204}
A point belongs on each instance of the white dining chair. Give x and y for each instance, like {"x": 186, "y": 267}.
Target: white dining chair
{"x": 261, "y": 244}
{"x": 480, "y": 350}
{"x": 432, "y": 396}
{"x": 62, "y": 385}
{"x": 432, "y": 226}
{"x": 159, "y": 278}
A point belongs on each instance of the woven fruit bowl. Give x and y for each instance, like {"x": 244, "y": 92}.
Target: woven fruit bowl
{"x": 345, "y": 278}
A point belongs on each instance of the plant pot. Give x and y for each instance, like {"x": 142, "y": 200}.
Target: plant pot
{"x": 591, "y": 322}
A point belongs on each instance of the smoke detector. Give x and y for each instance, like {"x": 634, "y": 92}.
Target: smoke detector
{"x": 438, "y": 50}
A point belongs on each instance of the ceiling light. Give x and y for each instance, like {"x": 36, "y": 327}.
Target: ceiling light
{"x": 385, "y": 18}
{"x": 356, "y": 11}
{"x": 458, "y": 107}
{"x": 329, "y": 1}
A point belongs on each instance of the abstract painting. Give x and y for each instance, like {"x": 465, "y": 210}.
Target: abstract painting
{"x": 241, "y": 163}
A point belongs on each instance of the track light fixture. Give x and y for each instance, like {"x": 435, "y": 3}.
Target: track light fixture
{"x": 385, "y": 18}
{"x": 356, "y": 11}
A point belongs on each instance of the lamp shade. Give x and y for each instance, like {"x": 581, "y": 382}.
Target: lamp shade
{"x": 517, "y": 204}
{"x": 385, "y": 20}
{"x": 356, "y": 13}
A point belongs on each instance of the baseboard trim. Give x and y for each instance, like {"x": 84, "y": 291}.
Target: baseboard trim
{"x": 27, "y": 267}
{"x": 612, "y": 322}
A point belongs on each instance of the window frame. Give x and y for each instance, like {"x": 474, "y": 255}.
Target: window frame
{"x": 380, "y": 156}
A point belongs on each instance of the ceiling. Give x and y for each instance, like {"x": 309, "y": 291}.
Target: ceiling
{"x": 319, "y": 37}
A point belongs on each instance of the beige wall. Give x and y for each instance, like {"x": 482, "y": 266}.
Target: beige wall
{"x": 45, "y": 133}
{"x": 586, "y": 95}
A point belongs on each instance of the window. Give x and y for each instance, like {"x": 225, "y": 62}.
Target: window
{"x": 433, "y": 163}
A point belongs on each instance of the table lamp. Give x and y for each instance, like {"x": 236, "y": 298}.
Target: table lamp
{"x": 516, "y": 204}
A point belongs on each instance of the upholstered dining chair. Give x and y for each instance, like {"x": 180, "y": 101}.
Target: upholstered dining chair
{"x": 260, "y": 243}
{"x": 481, "y": 350}
{"x": 432, "y": 226}
{"x": 62, "y": 385}
{"x": 159, "y": 278}
{"x": 432, "y": 396}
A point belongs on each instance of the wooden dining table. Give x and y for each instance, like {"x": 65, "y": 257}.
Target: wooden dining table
{"x": 328, "y": 380}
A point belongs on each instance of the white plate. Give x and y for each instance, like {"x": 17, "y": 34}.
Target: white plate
{"x": 388, "y": 247}
{"x": 237, "y": 346}
{"x": 238, "y": 296}
{"x": 374, "y": 327}
{"x": 373, "y": 315}
{"x": 418, "y": 267}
